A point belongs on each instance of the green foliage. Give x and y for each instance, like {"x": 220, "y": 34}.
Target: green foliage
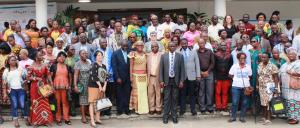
{"x": 205, "y": 18}
{"x": 66, "y": 16}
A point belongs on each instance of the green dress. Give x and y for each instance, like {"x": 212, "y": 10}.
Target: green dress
{"x": 254, "y": 65}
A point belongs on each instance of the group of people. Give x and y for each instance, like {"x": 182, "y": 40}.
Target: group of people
{"x": 149, "y": 68}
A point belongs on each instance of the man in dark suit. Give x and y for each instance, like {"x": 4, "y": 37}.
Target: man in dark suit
{"x": 120, "y": 63}
{"x": 171, "y": 77}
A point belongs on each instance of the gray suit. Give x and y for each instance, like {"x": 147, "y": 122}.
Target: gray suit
{"x": 192, "y": 68}
{"x": 171, "y": 84}
{"x": 192, "y": 64}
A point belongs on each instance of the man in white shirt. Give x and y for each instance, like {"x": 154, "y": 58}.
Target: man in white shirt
{"x": 19, "y": 36}
{"x": 67, "y": 35}
{"x": 214, "y": 28}
{"x": 239, "y": 49}
{"x": 180, "y": 23}
{"x": 153, "y": 27}
{"x": 168, "y": 24}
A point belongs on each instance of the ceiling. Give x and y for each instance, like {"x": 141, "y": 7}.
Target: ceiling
{"x": 72, "y": 1}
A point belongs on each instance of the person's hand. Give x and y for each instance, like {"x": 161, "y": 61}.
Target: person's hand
{"x": 5, "y": 97}
{"x": 103, "y": 89}
{"x": 76, "y": 89}
{"x": 162, "y": 84}
{"x": 181, "y": 85}
{"x": 198, "y": 78}
{"x": 119, "y": 81}
{"x": 100, "y": 89}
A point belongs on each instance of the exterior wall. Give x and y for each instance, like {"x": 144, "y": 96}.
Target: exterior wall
{"x": 288, "y": 9}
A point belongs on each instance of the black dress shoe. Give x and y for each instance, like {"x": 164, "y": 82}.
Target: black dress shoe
{"x": 194, "y": 113}
{"x": 175, "y": 121}
{"x": 181, "y": 113}
{"x": 151, "y": 112}
{"x": 243, "y": 120}
{"x": 231, "y": 120}
{"x": 165, "y": 120}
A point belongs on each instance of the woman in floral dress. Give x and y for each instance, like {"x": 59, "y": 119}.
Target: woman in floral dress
{"x": 267, "y": 77}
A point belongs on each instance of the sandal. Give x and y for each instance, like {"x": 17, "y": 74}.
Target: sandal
{"x": 93, "y": 125}
{"x": 17, "y": 125}
{"x": 59, "y": 123}
{"x": 262, "y": 120}
{"x": 85, "y": 122}
{"x": 98, "y": 122}
{"x": 267, "y": 122}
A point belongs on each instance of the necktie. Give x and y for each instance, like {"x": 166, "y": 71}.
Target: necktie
{"x": 172, "y": 65}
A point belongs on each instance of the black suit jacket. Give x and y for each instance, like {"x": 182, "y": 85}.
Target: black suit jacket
{"x": 120, "y": 68}
{"x": 179, "y": 68}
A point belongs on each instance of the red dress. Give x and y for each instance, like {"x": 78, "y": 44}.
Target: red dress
{"x": 40, "y": 112}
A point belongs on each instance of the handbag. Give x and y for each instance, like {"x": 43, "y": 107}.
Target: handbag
{"x": 103, "y": 104}
{"x": 80, "y": 87}
{"x": 277, "y": 105}
{"x": 45, "y": 89}
{"x": 294, "y": 82}
{"x": 247, "y": 90}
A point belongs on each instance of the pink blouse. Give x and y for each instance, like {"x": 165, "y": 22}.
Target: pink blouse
{"x": 190, "y": 36}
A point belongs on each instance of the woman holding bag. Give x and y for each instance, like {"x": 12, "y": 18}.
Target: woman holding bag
{"x": 267, "y": 81}
{"x": 81, "y": 81}
{"x": 290, "y": 78}
{"x": 38, "y": 74}
{"x": 96, "y": 87}
{"x": 240, "y": 74}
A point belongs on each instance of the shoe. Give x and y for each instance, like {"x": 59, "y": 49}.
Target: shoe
{"x": 202, "y": 112}
{"x": 267, "y": 122}
{"x": 58, "y": 123}
{"x": 151, "y": 112}
{"x": 175, "y": 121}
{"x": 68, "y": 122}
{"x": 165, "y": 120}
{"x": 243, "y": 120}
{"x": 158, "y": 112}
{"x": 194, "y": 113}
{"x": 98, "y": 122}
{"x": 17, "y": 125}
{"x": 211, "y": 111}
{"x": 93, "y": 125}
{"x": 231, "y": 120}
{"x": 84, "y": 121}
{"x": 293, "y": 121}
{"x": 181, "y": 113}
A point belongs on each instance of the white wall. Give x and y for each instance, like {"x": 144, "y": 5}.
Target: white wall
{"x": 288, "y": 9}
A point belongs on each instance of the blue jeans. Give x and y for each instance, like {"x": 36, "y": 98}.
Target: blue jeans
{"x": 17, "y": 99}
{"x": 237, "y": 95}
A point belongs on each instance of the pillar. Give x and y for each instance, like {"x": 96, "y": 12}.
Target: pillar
{"x": 41, "y": 12}
{"x": 220, "y": 7}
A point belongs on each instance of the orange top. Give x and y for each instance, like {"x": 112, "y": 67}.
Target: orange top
{"x": 34, "y": 36}
{"x": 61, "y": 77}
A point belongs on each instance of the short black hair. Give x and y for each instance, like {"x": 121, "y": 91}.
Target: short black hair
{"x": 220, "y": 31}
{"x": 276, "y": 12}
{"x": 240, "y": 54}
{"x": 62, "y": 53}
{"x": 50, "y": 44}
{"x": 97, "y": 52}
{"x": 6, "y": 24}
{"x": 288, "y": 22}
{"x": 5, "y": 47}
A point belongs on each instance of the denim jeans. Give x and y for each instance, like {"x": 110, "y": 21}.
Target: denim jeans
{"x": 237, "y": 95}
{"x": 17, "y": 98}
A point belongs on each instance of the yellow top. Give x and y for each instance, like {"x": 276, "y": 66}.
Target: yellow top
{"x": 7, "y": 33}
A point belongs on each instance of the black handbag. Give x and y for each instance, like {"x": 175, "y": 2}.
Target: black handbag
{"x": 278, "y": 105}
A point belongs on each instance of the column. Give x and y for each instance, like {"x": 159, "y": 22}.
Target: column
{"x": 220, "y": 7}
{"x": 41, "y": 12}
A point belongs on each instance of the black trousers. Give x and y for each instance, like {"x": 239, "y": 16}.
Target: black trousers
{"x": 111, "y": 94}
{"x": 123, "y": 97}
{"x": 189, "y": 89}
{"x": 170, "y": 99}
